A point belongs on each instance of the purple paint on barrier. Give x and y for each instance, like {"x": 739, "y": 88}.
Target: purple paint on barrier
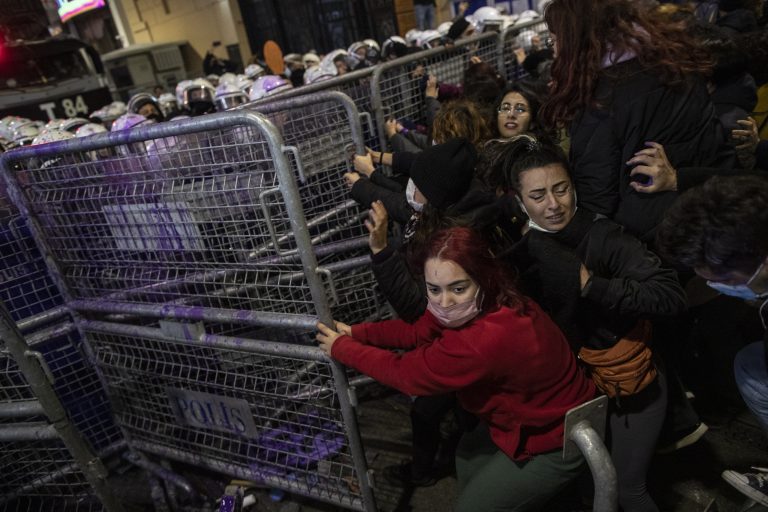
{"x": 299, "y": 445}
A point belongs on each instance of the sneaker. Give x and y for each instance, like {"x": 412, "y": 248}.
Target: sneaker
{"x": 402, "y": 475}
{"x": 687, "y": 439}
{"x": 752, "y": 485}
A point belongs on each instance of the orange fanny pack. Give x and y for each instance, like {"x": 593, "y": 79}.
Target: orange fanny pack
{"x": 627, "y": 367}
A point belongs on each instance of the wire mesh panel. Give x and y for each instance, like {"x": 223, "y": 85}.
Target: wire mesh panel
{"x": 34, "y": 302}
{"x": 355, "y": 85}
{"x": 43, "y": 477}
{"x": 263, "y": 411}
{"x": 325, "y": 130}
{"x": 25, "y": 286}
{"x": 523, "y": 36}
{"x": 40, "y": 475}
{"x": 398, "y": 86}
{"x": 38, "y": 471}
{"x": 203, "y": 220}
{"x": 182, "y": 215}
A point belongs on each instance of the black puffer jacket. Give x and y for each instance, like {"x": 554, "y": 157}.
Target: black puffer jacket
{"x": 628, "y": 282}
{"x": 636, "y": 107}
{"x": 403, "y": 288}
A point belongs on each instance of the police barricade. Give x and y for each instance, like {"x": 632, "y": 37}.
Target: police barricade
{"x": 46, "y": 387}
{"x": 185, "y": 252}
{"x": 324, "y": 132}
{"x": 45, "y": 462}
{"x": 520, "y": 38}
{"x": 355, "y": 84}
{"x": 397, "y": 87}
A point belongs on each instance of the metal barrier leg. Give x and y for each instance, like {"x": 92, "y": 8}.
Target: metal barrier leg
{"x": 159, "y": 472}
{"x": 584, "y": 431}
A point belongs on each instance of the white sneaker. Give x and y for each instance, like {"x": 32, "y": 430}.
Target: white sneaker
{"x": 687, "y": 440}
{"x": 752, "y": 485}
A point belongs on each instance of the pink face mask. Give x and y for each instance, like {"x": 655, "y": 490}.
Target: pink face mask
{"x": 457, "y": 314}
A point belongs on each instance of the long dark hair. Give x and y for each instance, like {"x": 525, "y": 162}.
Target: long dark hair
{"x": 505, "y": 160}
{"x": 588, "y": 30}
{"x": 468, "y": 249}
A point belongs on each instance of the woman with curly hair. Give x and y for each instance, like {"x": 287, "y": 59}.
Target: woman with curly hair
{"x": 624, "y": 77}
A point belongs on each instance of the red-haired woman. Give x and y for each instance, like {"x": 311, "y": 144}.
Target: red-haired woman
{"x": 506, "y": 360}
{"x": 623, "y": 76}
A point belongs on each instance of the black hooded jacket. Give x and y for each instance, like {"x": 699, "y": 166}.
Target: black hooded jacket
{"x": 636, "y": 107}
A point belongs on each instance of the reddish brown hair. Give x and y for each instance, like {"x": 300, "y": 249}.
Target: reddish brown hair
{"x": 467, "y": 248}
{"x": 587, "y": 30}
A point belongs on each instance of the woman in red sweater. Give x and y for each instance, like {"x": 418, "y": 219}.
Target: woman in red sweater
{"x": 506, "y": 360}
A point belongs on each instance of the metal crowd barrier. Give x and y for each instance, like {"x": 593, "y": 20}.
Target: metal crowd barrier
{"x": 45, "y": 462}
{"x": 397, "y": 87}
{"x": 355, "y": 84}
{"x": 185, "y": 251}
{"x": 54, "y": 414}
{"x": 324, "y": 131}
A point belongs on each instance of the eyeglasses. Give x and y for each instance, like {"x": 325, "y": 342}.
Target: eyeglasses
{"x": 518, "y": 108}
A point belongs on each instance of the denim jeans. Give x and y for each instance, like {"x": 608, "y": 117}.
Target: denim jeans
{"x": 425, "y": 16}
{"x": 751, "y": 375}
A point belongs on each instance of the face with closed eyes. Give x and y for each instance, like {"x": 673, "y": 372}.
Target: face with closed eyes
{"x": 547, "y": 194}
{"x": 447, "y": 283}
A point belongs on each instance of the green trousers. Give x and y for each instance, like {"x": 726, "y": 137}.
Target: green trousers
{"x": 490, "y": 481}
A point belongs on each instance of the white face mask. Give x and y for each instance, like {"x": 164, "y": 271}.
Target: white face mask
{"x": 740, "y": 291}
{"x": 531, "y": 223}
{"x": 457, "y": 314}
{"x": 410, "y": 196}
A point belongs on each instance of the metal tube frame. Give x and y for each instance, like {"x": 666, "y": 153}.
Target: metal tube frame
{"x": 298, "y": 223}
{"x": 38, "y": 380}
{"x": 600, "y": 464}
{"x": 284, "y": 102}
